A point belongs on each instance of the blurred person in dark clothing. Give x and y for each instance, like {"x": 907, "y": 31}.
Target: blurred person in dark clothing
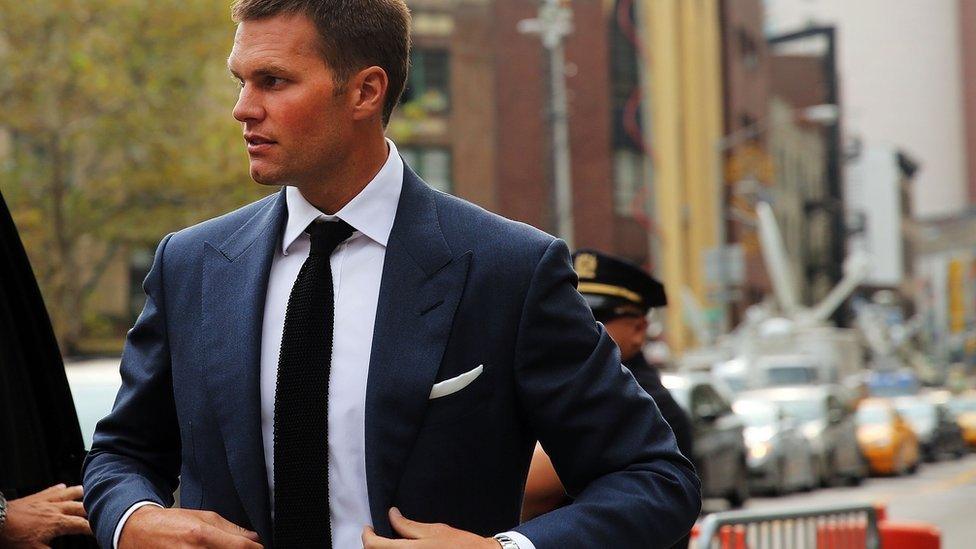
{"x": 621, "y": 295}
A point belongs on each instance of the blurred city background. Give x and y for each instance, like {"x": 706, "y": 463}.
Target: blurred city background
{"x": 800, "y": 174}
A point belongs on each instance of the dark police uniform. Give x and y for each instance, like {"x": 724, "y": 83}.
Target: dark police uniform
{"x": 615, "y": 288}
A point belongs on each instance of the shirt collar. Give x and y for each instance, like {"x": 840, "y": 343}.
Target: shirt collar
{"x": 371, "y": 212}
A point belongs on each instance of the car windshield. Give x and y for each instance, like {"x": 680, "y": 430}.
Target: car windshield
{"x": 736, "y": 383}
{"x": 755, "y": 413}
{"x": 873, "y": 415}
{"x": 680, "y": 395}
{"x": 790, "y": 375}
{"x": 803, "y": 409}
{"x": 961, "y": 405}
{"x": 917, "y": 411}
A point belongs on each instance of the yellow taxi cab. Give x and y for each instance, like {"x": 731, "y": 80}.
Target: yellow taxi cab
{"x": 886, "y": 439}
{"x": 963, "y": 407}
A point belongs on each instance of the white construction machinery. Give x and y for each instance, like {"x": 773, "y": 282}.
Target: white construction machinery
{"x": 786, "y": 343}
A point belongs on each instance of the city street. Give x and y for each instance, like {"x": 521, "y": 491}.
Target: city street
{"x": 939, "y": 493}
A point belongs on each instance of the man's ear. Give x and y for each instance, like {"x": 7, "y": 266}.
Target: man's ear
{"x": 368, "y": 88}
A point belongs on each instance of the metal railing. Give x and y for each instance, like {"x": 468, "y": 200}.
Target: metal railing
{"x": 826, "y": 527}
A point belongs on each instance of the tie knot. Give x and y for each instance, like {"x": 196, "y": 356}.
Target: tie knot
{"x": 326, "y": 235}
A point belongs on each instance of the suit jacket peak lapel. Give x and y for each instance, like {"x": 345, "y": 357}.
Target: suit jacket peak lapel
{"x": 235, "y": 282}
{"x": 271, "y": 215}
{"x": 417, "y": 228}
{"x": 420, "y": 290}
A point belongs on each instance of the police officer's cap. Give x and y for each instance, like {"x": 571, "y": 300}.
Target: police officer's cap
{"x": 615, "y": 287}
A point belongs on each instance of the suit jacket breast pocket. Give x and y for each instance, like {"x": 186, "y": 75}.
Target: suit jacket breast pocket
{"x": 462, "y": 404}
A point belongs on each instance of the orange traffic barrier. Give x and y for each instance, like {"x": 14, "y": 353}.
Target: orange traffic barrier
{"x": 729, "y": 537}
{"x": 909, "y": 535}
{"x": 842, "y": 535}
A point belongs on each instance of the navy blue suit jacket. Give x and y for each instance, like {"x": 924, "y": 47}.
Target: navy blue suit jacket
{"x": 461, "y": 287}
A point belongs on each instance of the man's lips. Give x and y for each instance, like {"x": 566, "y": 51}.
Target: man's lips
{"x": 257, "y": 143}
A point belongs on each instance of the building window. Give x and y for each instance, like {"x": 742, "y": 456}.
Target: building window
{"x": 625, "y": 81}
{"x": 429, "y": 80}
{"x": 433, "y": 164}
{"x": 628, "y": 181}
{"x": 749, "y": 50}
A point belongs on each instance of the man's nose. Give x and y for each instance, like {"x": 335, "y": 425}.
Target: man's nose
{"x": 248, "y": 107}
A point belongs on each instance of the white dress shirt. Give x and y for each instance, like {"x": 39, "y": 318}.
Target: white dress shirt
{"x": 357, "y": 268}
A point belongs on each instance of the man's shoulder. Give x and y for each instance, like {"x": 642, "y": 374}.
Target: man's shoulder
{"x": 468, "y": 226}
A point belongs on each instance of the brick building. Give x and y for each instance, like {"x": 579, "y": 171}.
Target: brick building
{"x": 474, "y": 117}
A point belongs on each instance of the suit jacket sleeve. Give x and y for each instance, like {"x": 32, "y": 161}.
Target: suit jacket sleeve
{"x": 607, "y": 440}
{"x": 135, "y": 453}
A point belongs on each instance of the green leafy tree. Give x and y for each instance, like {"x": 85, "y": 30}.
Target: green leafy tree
{"x": 115, "y": 128}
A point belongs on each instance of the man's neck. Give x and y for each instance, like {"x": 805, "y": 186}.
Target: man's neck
{"x": 343, "y": 185}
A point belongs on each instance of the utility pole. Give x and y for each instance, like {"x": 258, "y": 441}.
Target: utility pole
{"x": 554, "y": 23}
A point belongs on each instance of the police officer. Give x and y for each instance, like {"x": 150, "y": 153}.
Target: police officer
{"x": 620, "y": 294}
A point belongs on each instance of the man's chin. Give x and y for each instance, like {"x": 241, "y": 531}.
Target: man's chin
{"x": 264, "y": 177}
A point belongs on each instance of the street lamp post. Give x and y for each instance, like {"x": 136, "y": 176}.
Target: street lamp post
{"x": 554, "y": 23}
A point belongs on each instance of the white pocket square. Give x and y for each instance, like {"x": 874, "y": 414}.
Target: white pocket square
{"x": 455, "y": 384}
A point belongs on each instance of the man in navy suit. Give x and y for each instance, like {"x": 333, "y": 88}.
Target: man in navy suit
{"x": 424, "y": 344}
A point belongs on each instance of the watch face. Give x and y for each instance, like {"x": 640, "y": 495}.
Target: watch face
{"x": 507, "y": 542}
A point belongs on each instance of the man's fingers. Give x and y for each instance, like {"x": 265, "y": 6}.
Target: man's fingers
{"x": 72, "y": 508}
{"x": 373, "y": 541}
{"x": 227, "y": 526}
{"x": 220, "y": 539}
{"x": 74, "y": 525}
{"x": 411, "y": 529}
{"x": 72, "y": 493}
{"x": 50, "y": 491}
{"x": 69, "y": 493}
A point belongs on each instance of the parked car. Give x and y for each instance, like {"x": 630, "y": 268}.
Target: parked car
{"x": 720, "y": 449}
{"x": 963, "y": 407}
{"x": 40, "y": 441}
{"x": 937, "y": 431}
{"x": 781, "y": 459}
{"x": 886, "y": 439}
{"x": 826, "y": 416}
{"x": 791, "y": 370}
{"x": 94, "y": 384}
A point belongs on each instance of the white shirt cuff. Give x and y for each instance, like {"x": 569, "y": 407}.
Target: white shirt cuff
{"x": 128, "y": 513}
{"x": 522, "y": 541}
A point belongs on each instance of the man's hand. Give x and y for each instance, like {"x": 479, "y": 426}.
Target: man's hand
{"x": 152, "y": 526}
{"x": 33, "y": 521}
{"x": 421, "y": 535}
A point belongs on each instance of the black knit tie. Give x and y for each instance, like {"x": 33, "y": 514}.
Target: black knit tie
{"x": 301, "y": 414}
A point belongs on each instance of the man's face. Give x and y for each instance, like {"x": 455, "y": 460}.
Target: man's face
{"x": 628, "y": 332}
{"x": 295, "y": 126}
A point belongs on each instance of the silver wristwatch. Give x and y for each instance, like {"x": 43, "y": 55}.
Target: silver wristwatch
{"x": 3, "y": 511}
{"x": 507, "y": 542}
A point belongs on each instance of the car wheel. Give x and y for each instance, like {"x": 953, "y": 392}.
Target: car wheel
{"x": 913, "y": 468}
{"x": 780, "y": 486}
{"x": 898, "y": 468}
{"x": 863, "y": 469}
{"x": 814, "y": 477}
{"x": 832, "y": 477}
{"x": 961, "y": 450}
{"x": 740, "y": 493}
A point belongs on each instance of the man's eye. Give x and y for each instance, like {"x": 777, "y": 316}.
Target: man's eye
{"x": 273, "y": 81}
